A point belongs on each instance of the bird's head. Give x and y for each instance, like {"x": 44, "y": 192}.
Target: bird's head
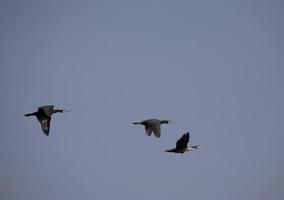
{"x": 198, "y": 147}
{"x": 60, "y": 110}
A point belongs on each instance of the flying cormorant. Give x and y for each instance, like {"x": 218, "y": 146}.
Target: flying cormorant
{"x": 181, "y": 145}
{"x": 44, "y": 116}
{"x": 153, "y": 125}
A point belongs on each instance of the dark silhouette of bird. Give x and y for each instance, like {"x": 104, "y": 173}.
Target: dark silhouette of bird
{"x": 153, "y": 125}
{"x": 181, "y": 145}
{"x": 43, "y": 115}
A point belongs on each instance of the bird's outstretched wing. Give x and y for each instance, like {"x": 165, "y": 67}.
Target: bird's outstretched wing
{"x": 148, "y": 130}
{"x": 157, "y": 130}
{"x": 45, "y": 125}
{"x": 47, "y": 110}
{"x": 183, "y": 141}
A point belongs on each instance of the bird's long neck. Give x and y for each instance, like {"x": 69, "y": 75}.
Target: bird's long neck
{"x": 196, "y": 147}
{"x": 166, "y": 122}
{"x": 189, "y": 149}
{"x": 57, "y": 110}
{"x": 140, "y": 123}
{"x": 193, "y": 147}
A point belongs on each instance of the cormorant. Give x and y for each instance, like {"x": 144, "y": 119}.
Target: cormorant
{"x": 153, "y": 125}
{"x": 181, "y": 145}
{"x": 43, "y": 115}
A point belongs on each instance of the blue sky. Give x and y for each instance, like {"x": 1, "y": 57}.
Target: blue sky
{"x": 215, "y": 68}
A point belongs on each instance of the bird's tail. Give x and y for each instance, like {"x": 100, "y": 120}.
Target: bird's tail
{"x": 170, "y": 150}
{"x": 29, "y": 114}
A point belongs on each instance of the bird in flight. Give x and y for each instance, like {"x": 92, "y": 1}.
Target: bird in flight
{"x": 43, "y": 115}
{"x": 181, "y": 145}
{"x": 153, "y": 125}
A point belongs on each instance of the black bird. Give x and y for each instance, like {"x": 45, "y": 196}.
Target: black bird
{"x": 181, "y": 145}
{"x": 153, "y": 125}
{"x": 43, "y": 115}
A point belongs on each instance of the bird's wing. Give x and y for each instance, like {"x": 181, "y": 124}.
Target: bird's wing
{"x": 45, "y": 125}
{"x": 148, "y": 130}
{"x": 183, "y": 141}
{"x": 157, "y": 130}
{"x": 47, "y": 110}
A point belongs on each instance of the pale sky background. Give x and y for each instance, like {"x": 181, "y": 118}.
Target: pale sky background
{"x": 213, "y": 67}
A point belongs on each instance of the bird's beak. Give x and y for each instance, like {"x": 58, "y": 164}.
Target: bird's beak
{"x": 171, "y": 122}
{"x": 65, "y": 110}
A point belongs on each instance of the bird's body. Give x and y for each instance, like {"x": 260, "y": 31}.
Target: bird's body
{"x": 181, "y": 145}
{"x": 153, "y": 125}
{"x": 43, "y": 115}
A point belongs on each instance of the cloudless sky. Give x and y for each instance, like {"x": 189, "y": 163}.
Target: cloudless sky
{"x": 213, "y": 67}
